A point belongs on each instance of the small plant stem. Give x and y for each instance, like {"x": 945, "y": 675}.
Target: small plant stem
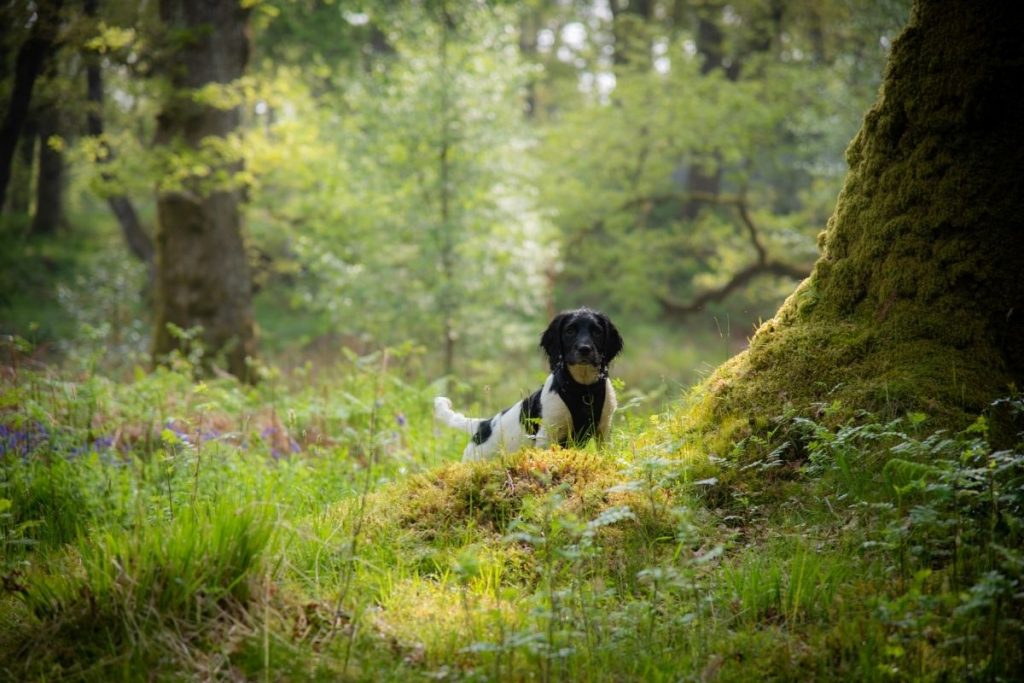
{"x": 266, "y": 628}
{"x": 199, "y": 460}
{"x": 361, "y": 511}
{"x": 652, "y": 611}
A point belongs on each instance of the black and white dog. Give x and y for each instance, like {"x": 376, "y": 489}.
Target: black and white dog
{"x": 575, "y": 403}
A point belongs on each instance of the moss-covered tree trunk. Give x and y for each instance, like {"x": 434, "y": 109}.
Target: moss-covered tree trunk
{"x": 917, "y": 300}
{"x": 202, "y": 273}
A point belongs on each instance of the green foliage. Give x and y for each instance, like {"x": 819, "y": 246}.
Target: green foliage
{"x": 396, "y": 189}
{"x": 877, "y": 324}
{"x": 948, "y": 511}
{"x": 313, "y": 526}
{"x": 308, "y": 528}
{"x": 415, "y": 199}
{"x": 622, "y": 162}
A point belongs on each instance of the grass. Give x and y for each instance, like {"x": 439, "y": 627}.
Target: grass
{"x": 315, "y": 527}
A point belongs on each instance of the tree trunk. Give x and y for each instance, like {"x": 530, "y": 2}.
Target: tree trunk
{"x": 202, "y": 274}
{"x": 29, "y": 64}
{"x": 629, "y": 31}
{"x": 448, "y": 301}
{"x": 701, "y": 181}
{"x": 529, "y": 21}
{"x": 19, "y": 189}
{"x": 706, "y": 179}
{"x": 917, "y": 301}
{"x": 135, "y": 236}
{"x": 49, "y": 214}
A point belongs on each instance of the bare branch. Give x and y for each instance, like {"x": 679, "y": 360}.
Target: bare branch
{"x": 752, "y": 232}
{"x": 648, "y": 201}
{"x": 739, "y": 279}
{"x": 762, "y": 266}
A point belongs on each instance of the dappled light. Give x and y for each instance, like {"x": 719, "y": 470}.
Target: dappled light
{"x": 259, "y": 256}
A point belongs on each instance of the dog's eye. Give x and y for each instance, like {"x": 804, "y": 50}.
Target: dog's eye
{"x": 571, "y": 331}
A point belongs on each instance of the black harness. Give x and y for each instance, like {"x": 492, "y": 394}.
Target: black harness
{"x": 584, "y": 401}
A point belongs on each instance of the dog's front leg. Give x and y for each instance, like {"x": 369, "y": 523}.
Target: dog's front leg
{"x": 604, "y": 425}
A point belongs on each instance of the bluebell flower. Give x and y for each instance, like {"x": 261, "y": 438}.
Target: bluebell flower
{"x": 23, "y": 441}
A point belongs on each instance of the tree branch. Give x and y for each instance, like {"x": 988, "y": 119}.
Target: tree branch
{"x": 762, "y": 266}
{"x": 755, "y": 238}
{"x": 664, "y": 197}
{"x": 740, "y": 279}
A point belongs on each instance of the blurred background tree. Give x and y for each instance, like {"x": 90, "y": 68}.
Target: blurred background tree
{"x": 203, "y": 278}
{"x": 445, "y": 175}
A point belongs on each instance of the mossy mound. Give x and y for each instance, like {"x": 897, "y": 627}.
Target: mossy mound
{"x": 463, "y": 503}
{"x": 429, "y": 522}
{"x": 915, "y": 303}
{"x": 490, "y": 495}
{"x": 483, "y": 537}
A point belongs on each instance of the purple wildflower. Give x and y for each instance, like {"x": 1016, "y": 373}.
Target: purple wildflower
{"x": 23, "y": 441}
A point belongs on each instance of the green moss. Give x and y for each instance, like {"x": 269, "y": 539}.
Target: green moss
{"x": 490, "y": 494}
{"x": 914, "y": 303}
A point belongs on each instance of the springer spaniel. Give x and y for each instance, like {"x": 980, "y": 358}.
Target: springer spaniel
{"x": 575, "y": 403}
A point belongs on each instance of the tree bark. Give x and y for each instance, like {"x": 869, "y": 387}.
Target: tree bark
{"x": 32, "y": 54}
{"x": 202, "y": 273}
{"x": 50, "y": 181}
{"x": 917, "y": 301}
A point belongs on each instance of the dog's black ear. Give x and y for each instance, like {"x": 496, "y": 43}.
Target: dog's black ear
{"x": 612, "y": 339}
{"x": 551, "y": 340}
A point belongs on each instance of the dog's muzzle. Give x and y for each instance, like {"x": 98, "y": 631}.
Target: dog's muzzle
{"x": 583, "y": 354}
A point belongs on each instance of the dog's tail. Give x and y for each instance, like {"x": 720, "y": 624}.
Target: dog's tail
{"x": 444, "y": 413}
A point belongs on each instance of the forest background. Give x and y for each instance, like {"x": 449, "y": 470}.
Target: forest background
{"x": 244, "y": 244}
{"x": 444, "y": 177}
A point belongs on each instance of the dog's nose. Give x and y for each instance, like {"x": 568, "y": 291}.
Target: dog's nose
{"x": 585, "y": 349}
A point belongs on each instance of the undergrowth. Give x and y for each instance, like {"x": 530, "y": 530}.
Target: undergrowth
{"x": 314, "y": 527}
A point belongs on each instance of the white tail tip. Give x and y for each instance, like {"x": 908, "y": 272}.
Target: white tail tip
{"x": 442, "y": 406}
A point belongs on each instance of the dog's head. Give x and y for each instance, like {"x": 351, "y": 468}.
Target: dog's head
{"x": 581, "y": 338}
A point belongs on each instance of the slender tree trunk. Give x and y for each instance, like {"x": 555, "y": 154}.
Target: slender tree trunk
{"x": 702, "y": 180}
{"x": 202, "y": 274}
{"x": 529, "y": 19}
{"x": 50, "y": 181}
{"x": 32, "y": 54}
{"x": 706, "y": 180}
{"x": 917, "y": 300}
{"x": 135, "y": 236}
{"x": 19, "y": 189}
{"x": 448, "y": 299}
